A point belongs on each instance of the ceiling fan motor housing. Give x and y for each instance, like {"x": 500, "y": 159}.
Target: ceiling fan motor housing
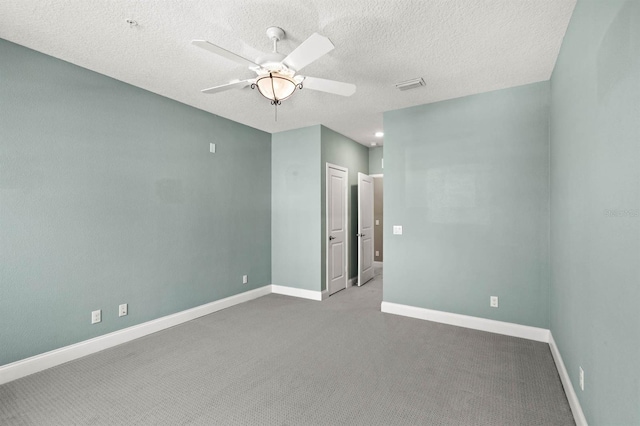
{"x": 272, "y": 61}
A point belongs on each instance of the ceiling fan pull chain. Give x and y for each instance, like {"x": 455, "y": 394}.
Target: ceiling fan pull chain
{"x": 275, "y": 100}
{"x": 275, "y": 104}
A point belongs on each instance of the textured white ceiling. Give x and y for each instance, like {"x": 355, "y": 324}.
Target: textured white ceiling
{"x": 459, "y": 47}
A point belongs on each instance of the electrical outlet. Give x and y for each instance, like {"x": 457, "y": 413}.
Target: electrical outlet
{"x": 581, "y": 378}
{"x": 245, "y": 279}
{"x": 493, "y": 301}
{"x": 96, "y": 316}
{"x": 397, "y": 229}
{"x": 377, "y": 253}
{"x": 123, "y": 310}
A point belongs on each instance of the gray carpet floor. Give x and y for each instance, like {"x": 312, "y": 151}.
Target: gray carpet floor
{"x": 279, "y": 360}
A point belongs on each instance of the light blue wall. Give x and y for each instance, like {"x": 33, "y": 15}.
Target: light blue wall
{"x": 468, "y": 181}
{"x": 295, "y": 182}
{"x": 109, "y": 195}
{"x": 298, "y": 202}
{"x": 375, "y": 160}
{"x": 595, "y": 208}
{"x": 342, "y": 151}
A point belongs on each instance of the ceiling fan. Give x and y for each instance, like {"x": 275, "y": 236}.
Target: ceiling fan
{"x": 277, "y": 77}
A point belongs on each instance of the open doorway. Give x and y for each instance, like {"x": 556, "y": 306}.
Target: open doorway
{"x": 365, "y": 229}
{"x": 370, "y": 227}
{"x": 354, "y": 160}
{"x": 378, "y": 218}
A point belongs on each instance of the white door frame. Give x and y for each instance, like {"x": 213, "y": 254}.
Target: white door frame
{"x": 326, "y": 223}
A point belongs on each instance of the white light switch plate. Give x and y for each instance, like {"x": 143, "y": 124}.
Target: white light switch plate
{"x": 212, "y": 148}
{"x": 397, "y": 229}
{"x": 377, "y": 221}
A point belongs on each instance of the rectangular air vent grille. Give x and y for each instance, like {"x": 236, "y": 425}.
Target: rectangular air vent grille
{"x": 411, "y": 84}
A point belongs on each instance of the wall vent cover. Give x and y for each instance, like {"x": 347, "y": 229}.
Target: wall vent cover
{"x": 411, "y": 84}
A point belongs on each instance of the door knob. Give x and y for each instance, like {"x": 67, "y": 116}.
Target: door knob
{"x": 331, "y": 237}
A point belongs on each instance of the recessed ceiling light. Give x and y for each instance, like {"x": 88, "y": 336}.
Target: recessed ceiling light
{"x": 379, "y": 134}
{"x": 373, "y": 144}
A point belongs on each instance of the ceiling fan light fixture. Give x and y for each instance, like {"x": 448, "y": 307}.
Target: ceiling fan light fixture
{"x": 276, "y": 86}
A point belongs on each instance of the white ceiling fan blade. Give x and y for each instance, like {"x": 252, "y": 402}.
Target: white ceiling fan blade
{"x": 311, "y": 49}
{"x": 224, "y": 53}
{"x": 329, "y": 86}
{"x": 233, "y": 85}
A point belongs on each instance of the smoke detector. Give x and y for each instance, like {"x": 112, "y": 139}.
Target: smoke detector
{"x": 411, "y": 84}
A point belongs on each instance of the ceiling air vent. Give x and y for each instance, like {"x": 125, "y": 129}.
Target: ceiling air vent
{"x": 410, "y": 84}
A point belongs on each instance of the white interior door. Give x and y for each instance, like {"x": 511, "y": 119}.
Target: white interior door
{"x": 336, "y": 228}
{"x": 365, "y": 228}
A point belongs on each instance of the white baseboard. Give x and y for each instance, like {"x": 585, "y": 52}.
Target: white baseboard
{"x": 492, "y": 326}
{"x": 500, "y": 327}
{"x": 34, "y": 364}
{"x": 296, "y": 292}
{"x": 24, "y": 367}
{"x": 376, "y": 263}
{"x": 574, "y": 403}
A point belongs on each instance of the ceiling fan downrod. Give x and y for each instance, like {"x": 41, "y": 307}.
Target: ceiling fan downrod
{"x": 275, "y": 34}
